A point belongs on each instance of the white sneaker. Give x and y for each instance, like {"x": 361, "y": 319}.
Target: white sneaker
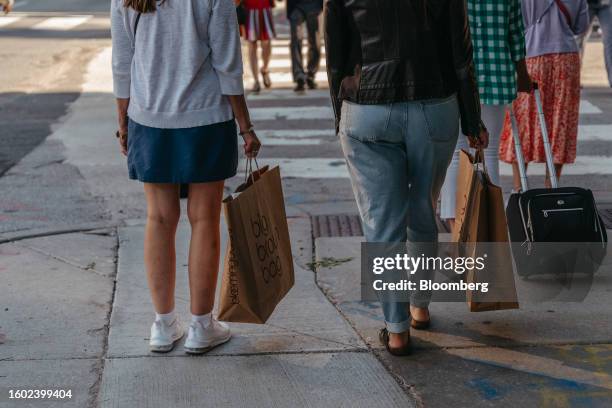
{"x": 165, "y": 336}
{"x": 203, "y": 337}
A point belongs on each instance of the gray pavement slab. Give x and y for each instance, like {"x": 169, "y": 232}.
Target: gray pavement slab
{"x": 584, "y": 322}
{"x": 80, "y": 376}
{"x": 312, "y": 380}
{"x": 545, "y": 354}
{"x": 441, "y": 379}
{"x": 55, "y": 296}
{"x": 303, "y": 321}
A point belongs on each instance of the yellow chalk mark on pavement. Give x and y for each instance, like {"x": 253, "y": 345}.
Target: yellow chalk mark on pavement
{"x": 517, "y": 360}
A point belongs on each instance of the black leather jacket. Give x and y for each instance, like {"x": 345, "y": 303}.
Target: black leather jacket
{"x": 384, "y": 51}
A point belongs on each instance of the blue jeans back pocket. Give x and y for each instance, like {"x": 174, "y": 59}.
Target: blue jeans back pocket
{"x": 366, "y": 123}
{"x": 440, "y": 115}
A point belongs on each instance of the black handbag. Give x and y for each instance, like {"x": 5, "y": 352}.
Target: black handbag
{"x": 557, "y": 230}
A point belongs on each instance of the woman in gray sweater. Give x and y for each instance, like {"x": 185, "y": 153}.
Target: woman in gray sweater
{"x": 177, "y": 72}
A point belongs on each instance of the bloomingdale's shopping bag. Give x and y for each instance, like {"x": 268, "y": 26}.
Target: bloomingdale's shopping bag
{"x": 480, "y": 218}
{"x": 258, "y": 267}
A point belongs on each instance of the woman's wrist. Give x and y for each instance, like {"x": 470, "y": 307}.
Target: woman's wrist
{"x": 246, "y": 129}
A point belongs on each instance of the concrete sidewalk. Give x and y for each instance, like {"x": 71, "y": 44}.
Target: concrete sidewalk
{"x": 76, "y": 314}
{"x": 546, "y": 354}
{"x": 307, "y": 354}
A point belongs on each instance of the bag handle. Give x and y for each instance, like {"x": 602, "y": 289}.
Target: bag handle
{"x": 563, "y": 8}
{"x": 479, "y": 158}
{"x": 518, "y": 150}
{"x": 248, "y": 171}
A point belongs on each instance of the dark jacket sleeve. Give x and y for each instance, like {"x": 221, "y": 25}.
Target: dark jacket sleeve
{"x": 336, "y": 45}
{"x": 469, "y": 100}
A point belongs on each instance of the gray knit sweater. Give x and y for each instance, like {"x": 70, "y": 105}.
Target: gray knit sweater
{"x": 183, "y": 62}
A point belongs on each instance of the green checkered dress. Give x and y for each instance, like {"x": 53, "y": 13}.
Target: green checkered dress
{"x": 499, "y": 41}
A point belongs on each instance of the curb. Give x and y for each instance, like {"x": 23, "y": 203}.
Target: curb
{"x": 38, "y": 233}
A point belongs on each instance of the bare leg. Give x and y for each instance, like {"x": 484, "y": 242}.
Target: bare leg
{"x": 516, "y": 176}
{"x": 163, "y": 212}
{"x": 253, "y": 61}
{"x": 419, "y": 313}
{"x": 204, "y": 211}
{"x": 266, "y": 53}
{"x": 558, "y": 169}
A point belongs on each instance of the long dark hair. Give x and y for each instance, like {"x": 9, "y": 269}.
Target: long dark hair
{"x": 143, "y": 6}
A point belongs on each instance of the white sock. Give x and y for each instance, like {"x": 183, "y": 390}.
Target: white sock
{"x": 166, "y": 318}
{"x": 202, "y": 319}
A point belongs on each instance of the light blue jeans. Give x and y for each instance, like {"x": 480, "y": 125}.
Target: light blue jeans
{"x": 604, "y": 15}
{"x": 397, "y": 155}
{"x": 493, "y": 117}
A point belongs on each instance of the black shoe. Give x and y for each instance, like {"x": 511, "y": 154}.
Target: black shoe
{"x": 310, "y": 82}
{"x": 299, "y": 87}
{"x": 256, "y": 88}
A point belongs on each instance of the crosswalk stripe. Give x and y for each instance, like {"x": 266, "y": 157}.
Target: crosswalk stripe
{"x": 317, "y": 112}
{"x": 295, "y": 137}
{"x": 267, "y": 140}
{"x": 310, "y": 168}
{"x": 287, "y": 77}
{"x": 325, "y": 168}
{"x": 8, "y": 20}
{"x": 292, "y": 113}
{"x": 583, "y": 165}
{"x": 595, "y": 133}
{"x": 587, "y": 108}
{"x": 286, "y": 63}
{"x": 276, "y": 94}
{"x": 285, "y": 51}
{"x": 61, "y": 23}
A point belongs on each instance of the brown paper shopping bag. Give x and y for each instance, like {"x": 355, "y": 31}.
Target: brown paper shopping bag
{"x": 258, "y": 267}
{"x": 480, "y": 218}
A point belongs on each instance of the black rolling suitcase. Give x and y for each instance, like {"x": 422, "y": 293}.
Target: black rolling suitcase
{"x": 557, "y": 230}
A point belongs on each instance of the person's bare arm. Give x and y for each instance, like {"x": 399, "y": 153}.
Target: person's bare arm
{"x": 122, "y": 119}
{"x": 241, "y": 112}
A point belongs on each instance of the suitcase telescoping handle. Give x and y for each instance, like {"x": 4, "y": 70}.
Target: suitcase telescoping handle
{"x": 520, "y": 159}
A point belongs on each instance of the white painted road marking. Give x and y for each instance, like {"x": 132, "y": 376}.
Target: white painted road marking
{"x": 292, "y": 113}
{"x": 8, "y": 20}
{"x": 325, "y": 168}
{"x": 276, "y": 94}
{"x": 61, "y": 23}
{"x": 311, "y": 167}
{"x": 587, "y": 108}
{"x": 281, "y": 77}
{"x": 594, "y": 133}
{"x": 286, "y": 63}
{"x": 297, "y": 137}
{"x": 583, "y": 165}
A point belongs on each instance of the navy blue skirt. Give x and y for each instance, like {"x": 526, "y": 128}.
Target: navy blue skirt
{"x": 192, "y": 155}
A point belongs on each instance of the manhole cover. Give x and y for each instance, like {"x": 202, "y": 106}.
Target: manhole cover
{"x": 336, "y": 225}
{"x": 606, "y": 215}
{"x": 347, "y": 225}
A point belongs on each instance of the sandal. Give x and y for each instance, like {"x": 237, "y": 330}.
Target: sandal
{"x": 256, "y": 88}
{"x": 420, "y": 324}
{"x": 402, "y": 351}
{"x": 265, "y": 74}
